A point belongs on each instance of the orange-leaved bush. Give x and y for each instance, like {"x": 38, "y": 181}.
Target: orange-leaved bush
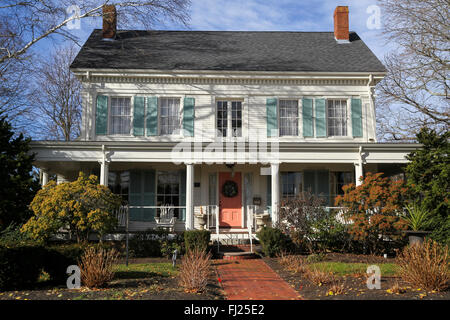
{"x": 375, "y": 208}
{"x": 80, "y": 207}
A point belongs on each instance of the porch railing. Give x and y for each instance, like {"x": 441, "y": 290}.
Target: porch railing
{"x": 212, "y": 215}
{"x": 121, "y": 216}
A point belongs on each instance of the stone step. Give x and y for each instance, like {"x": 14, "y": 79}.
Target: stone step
{"x": 237, "y": 255}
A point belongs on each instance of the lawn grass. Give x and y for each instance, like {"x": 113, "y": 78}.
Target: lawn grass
{"x": 343, "y": 268}
{"x": 145, "y": 270}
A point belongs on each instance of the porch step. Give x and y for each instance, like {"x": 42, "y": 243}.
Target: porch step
{"x": 237, "y": 252}
{"x": 237, "y": 255}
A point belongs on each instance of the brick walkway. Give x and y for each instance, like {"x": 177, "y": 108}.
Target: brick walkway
{"x": 253, "y": 280}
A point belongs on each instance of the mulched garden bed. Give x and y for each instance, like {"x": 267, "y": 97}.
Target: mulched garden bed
{"x": 136, "y": 285}
{"x": 355, "y": 284}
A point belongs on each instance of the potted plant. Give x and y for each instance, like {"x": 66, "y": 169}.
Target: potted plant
{"x": 418, "y": 219}
{"x": 201, "y": 219}
{"x": 262, "y": 219}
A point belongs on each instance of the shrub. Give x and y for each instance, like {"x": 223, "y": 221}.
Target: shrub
{"x": 197, "y": 239}
{"x": 428, "y": 174}
{"x": 168, "y": 247}
{"x": 332, "y": 235}
{"x": 292, "y": 263}
{"x": 319, "y": 277}
{"x": 96, "y": 266}
{"x": 298, "y": 217}
{"x": 425, "y": 265}
{"x": 273, "y": 241}
{"x": 374, "y": 207}
{"x": 18, "y": 186}
{"x": 12, "y": 236}
{"x": 59, "y": 257}
{"x": 154, "y": 243}
{"x": 20, "y": 266}
{"x": 417, "y": 217}
{"x": 336, "y": 288}
{"x": 315, "y": 257}
{"x": 194, "y": 270}
{"x": 81, "y": 207}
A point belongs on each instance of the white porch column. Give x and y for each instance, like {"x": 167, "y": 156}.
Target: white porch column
{"x": 104, "y": 172}
{"x": 358, "y": 173}
{"x": 275, "y": 172}
{"x": 44, "y": 177}
{"x": 359, "y": 167}
{"x": 189, "y": 196}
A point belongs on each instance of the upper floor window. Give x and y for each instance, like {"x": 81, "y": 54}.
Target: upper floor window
{"x": 337, "y": 117}
{"x": 169, "y": 115}
{"x": 120, "y": 120}
{"x": 229, "y": 118}
{"x": 288, "y": 117}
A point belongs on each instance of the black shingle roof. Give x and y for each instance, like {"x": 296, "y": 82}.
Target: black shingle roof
{"x": 227, "y": 50}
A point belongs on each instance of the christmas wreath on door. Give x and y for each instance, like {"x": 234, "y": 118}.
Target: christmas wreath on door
{"x": 230, "y": 189}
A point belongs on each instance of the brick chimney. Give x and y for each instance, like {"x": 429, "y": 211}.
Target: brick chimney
{"x": 109, "y": 21}
{"x": 341, "y": 24}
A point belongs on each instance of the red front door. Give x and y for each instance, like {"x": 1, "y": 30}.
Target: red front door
{"x": 230, "y": 209}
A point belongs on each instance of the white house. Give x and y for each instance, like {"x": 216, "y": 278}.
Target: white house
{"x": 307, "y": 98}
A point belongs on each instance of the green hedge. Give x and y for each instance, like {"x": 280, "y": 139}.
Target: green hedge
{"x": 20, "y": 266}
{"x": 197, "y": 239}
{"x": 273, "y": 241}
{"x": 153, "y": 243}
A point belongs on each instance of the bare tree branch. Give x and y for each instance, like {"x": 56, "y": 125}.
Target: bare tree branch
{"x": 417, "y": 83}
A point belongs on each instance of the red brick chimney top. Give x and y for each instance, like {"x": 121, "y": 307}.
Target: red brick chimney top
{"x": 341, "y": 23}
{"x": 109, "y": 21}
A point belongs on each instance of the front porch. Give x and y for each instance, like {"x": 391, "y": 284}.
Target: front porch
{"x": 159, "y": 192}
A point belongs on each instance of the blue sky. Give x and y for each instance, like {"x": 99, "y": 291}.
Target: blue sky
{"x": 259, "y": 15}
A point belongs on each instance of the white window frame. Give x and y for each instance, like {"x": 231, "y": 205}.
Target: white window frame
{"x": 110, "y": 97}
{"x": 279, "y": 116}
{"x": 178, "y": 131}
{"x": 229, "y": 117}
{"x": 347, "y": 118}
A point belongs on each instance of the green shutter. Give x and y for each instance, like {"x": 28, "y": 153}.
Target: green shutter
{"x": 272, "y": 117}
{"x": 152, "y": 116}
{"x": 357, "y": 129}
{"x": 139, "y": 116}
{"x": 183, "y": 195}
{"x": 321, "y": 118}
{"x": 149, "y": 195}
{"x": 309, "y": 181}
{"x": 269, "y": 194}
{"x": 101, "y": 116}
{"x": 188, "y": 116}
{"x": 135, "y": 195}
{"x": 307, "y": 113}
{"x": 323, "y": 185}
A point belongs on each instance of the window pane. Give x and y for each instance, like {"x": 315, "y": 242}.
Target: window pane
{"x": 169, "y": 115}
{"x": 120, "y": 117}
{"x": 222, "y": 121}
{"x": 288, "y": 117}
{"x": 337, "y": 117}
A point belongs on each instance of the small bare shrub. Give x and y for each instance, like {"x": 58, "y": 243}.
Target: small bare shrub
{"x": 194, "y": 270}
{"x": 396, "y": 289}
{"x": 336, "y": 288}
{"x": 319, "y": 277}
{"x": 96, "y": 266}
{"x": 292, "y": 263}
{"x": 425, "y": 265}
